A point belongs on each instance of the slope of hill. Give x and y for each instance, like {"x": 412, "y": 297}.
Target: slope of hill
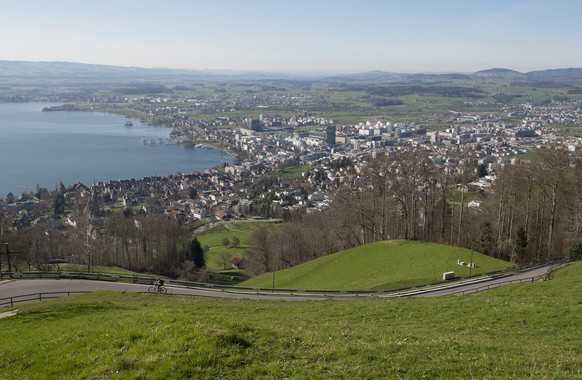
{"x": 19, "y": 72}
{"x": 516, "y": 332}
{"x": 382, "y": 265}
{"x": 497, "y": 71}
{"x": 71, "y": 73}
{"x": 568, "y": 76}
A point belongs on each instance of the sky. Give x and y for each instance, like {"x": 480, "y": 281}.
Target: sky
{"x": 339, "y": 36}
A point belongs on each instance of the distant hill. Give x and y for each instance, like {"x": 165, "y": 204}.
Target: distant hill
{"x": 571, "y": 75}
{"x": 497, "y": 71}
{"x": 558, "y": 76}
{"x": 69, "y": 73}
{"x": 365, "y": 76}
{"x": 382, "y": 265}
{"x": 500, "y": 73}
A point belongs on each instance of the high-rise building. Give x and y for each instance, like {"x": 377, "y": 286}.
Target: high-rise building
{"x": 252, "y": 124}
{"x": 330, "y": 134}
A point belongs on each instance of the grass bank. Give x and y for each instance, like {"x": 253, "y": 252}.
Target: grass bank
{"x": 522, "y": 331}
{"x": 382, "y": 265}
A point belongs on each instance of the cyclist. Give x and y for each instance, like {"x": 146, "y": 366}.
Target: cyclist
{"x": 159, "y": 284}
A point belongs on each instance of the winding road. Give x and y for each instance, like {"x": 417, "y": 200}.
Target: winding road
{"x": 56, "y": 287}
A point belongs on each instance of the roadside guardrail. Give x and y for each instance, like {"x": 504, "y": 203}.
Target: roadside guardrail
{"x": 396, "y": 292}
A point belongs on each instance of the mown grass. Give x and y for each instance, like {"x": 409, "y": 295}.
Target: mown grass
{"x": 293, "y": 172}
{"x": 214, "y": 240}
{"x": 382, "y": 265}
{"x": 522, "y": 331}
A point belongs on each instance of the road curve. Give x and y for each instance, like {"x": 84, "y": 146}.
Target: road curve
{"x": 21, "y": 287}
{"x": 16, "y": 288}
{"x": 485, "y": 283}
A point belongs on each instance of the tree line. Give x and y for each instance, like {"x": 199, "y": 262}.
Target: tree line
{"x": 533, "y": 210}
{"x": 149, "y": 244}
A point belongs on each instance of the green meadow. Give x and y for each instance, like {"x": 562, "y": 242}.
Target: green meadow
{"x": 522, "y": 331}
{"x": 215, "y": 239}
{"x": 382, "y": 265}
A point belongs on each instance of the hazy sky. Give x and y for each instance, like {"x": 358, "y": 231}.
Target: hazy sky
{"x": 297, "y": 35}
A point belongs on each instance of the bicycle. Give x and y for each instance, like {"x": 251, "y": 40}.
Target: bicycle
{"x": 157, "y": 289}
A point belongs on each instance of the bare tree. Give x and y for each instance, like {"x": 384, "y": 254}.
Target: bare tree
{"x": 260, "y": 258}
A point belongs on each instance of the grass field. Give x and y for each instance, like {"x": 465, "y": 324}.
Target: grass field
{"x": 523, "y": 331}
{"x": 383, "y": 265}
{"x": 214, "y": 240}
{"x": 293, "y": 172}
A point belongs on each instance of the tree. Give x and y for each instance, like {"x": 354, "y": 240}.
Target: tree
{"x": 485, "y": 241}
{"x": 59, "y": 204}
{"x": 260, "y": 257}
{"x": 197, "y": 254}
{"x": 10, "y": 198}
{"x": 520, "y": 244}
{"x": 238, "y": 261}
{"x": 481, "y": 170}
{"x": 235, "y": 242}
{"x": 225, "y": 242}
{"x": 225, "y": 258}
{"x": 554, "y": 164}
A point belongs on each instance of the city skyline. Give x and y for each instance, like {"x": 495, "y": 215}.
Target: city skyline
{"x": 303, "y": 36}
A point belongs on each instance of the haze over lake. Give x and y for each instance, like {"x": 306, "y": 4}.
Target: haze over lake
{"x": 45, "y": 148}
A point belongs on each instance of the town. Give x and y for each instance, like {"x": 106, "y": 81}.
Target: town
{"x": 323, "y": 149}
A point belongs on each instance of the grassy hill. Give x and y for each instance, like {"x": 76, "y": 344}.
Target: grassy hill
{"x": 521, "y": 331}
{"x": 383, "y": 265}
{"x": 214, "y": 239}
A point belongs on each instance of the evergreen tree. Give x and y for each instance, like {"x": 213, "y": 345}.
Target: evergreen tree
{"x": 10, "y": 198}
{"x": 59, "y": 204}
{"x": 481, "y": 170}
{"x": 485, "y": 241}
{"x": 520, "y": 243}
{"x": 197, "y": 254}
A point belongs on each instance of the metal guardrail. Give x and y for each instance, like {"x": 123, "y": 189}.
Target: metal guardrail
{"x": 496, "y": 285}
{"x": 11, "y": 301}
{"x": 258, "y": 290}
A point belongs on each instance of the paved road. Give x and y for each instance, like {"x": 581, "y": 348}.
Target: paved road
{"x": 15, "y": 288}
{"x": 478, "y": 285}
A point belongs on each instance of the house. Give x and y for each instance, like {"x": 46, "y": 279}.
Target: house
{"x": 221, "y": 215}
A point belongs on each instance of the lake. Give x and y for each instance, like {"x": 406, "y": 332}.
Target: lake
{"x": 44, "y": 148}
